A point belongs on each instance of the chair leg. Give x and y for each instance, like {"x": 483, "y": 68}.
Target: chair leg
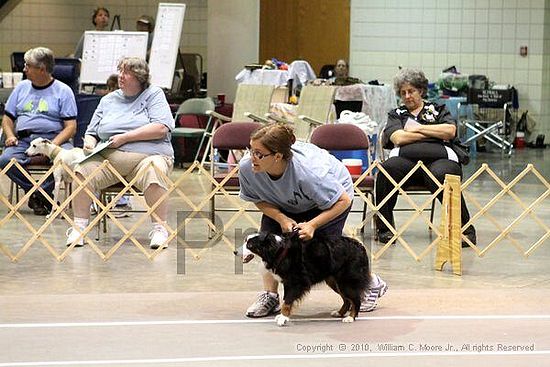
{"x": 206, "y": 151}
{"x": 363, "y": 216}
{"x": 12, "y": 184}
{"x": 432, "y": 215}
{"x": 104, "y": 219}
{"x": 212, "y": 233}
{"x": 204, "y": 135}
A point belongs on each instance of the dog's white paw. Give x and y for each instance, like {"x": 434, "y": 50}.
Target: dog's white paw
{"x": 281, "y": 320}
{"x": 335, "y": 313}
{"x": 348, "y": 319}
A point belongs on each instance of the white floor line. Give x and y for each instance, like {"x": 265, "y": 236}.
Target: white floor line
{"x": 265, "y": 320}
{"x": 158, "y": 361}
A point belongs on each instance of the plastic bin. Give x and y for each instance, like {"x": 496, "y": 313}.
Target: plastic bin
{"x": 353, "y": 154}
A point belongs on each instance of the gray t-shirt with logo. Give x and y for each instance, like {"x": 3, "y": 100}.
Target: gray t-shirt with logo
{"x": 313, "y": 179}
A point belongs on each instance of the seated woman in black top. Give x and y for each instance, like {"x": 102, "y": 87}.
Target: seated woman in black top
{"x": 417, "y": 130}
{"x": 341, "y": 74}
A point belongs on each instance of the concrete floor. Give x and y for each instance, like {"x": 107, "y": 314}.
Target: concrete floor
{"x": 132, "y": 311}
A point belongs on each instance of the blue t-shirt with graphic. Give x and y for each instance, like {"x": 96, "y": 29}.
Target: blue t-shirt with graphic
{"x": 41, "y": 109}
{"x": 313, "y": 179}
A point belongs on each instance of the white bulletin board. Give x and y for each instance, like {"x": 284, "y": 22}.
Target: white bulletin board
{"x": 166, "y": 41}
{"x": 102, "y": 51}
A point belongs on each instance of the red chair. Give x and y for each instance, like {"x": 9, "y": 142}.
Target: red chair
{"x": 232, "y": 137}
{"x": 337, "y": 137}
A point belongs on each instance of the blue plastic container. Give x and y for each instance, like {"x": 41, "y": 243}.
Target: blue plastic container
{"x": 360, "y": 154}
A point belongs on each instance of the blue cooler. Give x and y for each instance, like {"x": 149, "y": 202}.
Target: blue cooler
{"x": 357, "y": 154}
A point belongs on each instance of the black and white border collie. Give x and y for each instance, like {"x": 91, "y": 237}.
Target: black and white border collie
{"x": 341, "y": 262}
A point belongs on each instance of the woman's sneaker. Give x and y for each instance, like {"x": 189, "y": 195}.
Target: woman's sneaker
{"x": 371, "y": 296}
{"x": 266, "y": 304}
{"x": 159, "y": 238}
{"x": 72, "y": 235}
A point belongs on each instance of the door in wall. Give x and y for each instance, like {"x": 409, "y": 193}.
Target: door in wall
{"x": 313, "y": 30}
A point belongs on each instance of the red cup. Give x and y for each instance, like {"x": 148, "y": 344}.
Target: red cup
{"x": 353, "y": 165}
{"x": 221, "y": 98}
{"x": 519, "y": 143}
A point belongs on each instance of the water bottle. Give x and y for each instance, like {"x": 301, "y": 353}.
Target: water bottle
{"x": 216, "y": 160}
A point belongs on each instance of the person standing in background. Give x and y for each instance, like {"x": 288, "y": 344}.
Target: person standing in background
{"x": 146, "y": 23}
{"x": 100, "y": 19}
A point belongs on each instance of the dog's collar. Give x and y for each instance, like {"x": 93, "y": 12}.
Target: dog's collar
{"x": 55, "y": 152}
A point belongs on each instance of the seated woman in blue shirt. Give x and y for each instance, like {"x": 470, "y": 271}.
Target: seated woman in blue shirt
{"x": 38, "y": 107}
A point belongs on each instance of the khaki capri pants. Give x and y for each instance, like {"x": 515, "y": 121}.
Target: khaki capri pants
{"x": 128, "y": 165}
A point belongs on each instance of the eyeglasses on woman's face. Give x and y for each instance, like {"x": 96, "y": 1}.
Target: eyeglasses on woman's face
{"x": 257, "y": 154}
{"x": 27, "y": 65}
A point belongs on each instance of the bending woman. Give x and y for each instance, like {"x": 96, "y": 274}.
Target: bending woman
{"x": 296, "y": 185}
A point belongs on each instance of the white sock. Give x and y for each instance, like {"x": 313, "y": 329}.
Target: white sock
{"x": 374, "y": 281}
{"x": 81, "y": 223}
{"x": 273, "y": 294}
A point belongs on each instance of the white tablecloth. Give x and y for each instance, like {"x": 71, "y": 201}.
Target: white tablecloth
{"x": 378, "y": 100}
{"x": 263, "y": 76}
{"x": 298, "y": 70}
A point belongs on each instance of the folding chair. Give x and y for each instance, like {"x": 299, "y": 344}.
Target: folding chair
{"x": 18, "y": 62}
{"x": 338, "y": 137}
{"x": 493, "y": 109}
{"x": 193, "y": 122}
{"x": 67, "y": 70}
{"x": 86, "y": 105}
{"x": 106, "y": 195}
{"x": 314, "y": 109}
{"x": 232, "y": 136}
{"x": 413, "y": 190}
{"x": 251, "y": 102}
{"x": 37, "y": 167}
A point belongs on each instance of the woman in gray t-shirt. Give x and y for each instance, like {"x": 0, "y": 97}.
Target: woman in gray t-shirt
{"x": 295, "y": 185}
{"x": 133, "y": 124}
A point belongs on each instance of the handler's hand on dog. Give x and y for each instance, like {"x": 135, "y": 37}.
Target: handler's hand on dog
{"x": 288, "y": 225}
{"x": 305, "y": 231}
